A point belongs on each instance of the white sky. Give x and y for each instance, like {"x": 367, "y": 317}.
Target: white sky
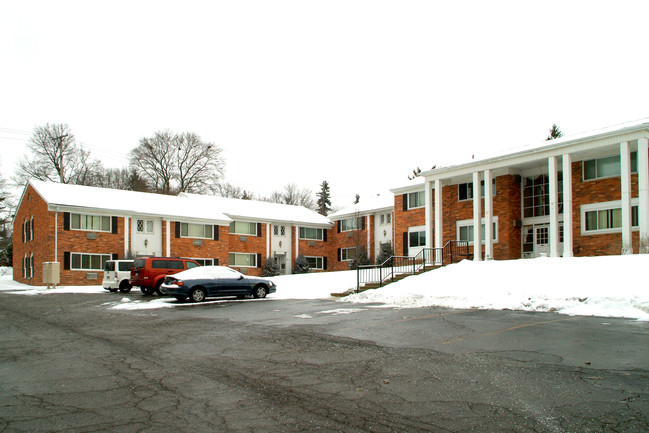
{"x": 355, "y": 92}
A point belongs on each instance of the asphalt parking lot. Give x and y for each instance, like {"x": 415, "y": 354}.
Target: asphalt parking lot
{"x": 70, "y": 362}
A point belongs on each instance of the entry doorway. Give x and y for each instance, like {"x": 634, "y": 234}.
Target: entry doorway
{"x": 536, "y": 240}
{"x": 280, "y": 259}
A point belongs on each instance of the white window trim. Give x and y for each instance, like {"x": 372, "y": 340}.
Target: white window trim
{"x": 583, "y": 167}
{"x": 417, "y": 207}
{"x": 607, "y": 205}
{"x": 417, "y": 229}
{"x": 310, "y": 239}
{"x": 349, "y": 219}
{"x": 196, "y": 237}
{"x": 110, "y": 222}
{"x": 246, "y": 234}
{"x": 89, "y": 254}
{"x": 467, "y": 223}
{"x": 205, "y": 259}
{"x": 242, "y": 266}
{"x": 317, "y": 257}
{"x": 346, "y": 249}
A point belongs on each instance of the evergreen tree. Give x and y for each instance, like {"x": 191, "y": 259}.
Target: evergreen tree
{"x": 324, "y": 199}
{"x": 271, "y": 268}
{"x": 358, "y": 198}
{"x": 360, "y": 258}
{"x": 384, "y": 255}
{"x": 555, "y": 132}
{"x": 301, "y": 265}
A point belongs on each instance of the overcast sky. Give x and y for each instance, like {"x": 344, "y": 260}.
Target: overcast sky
{"x": 358, "y": 93}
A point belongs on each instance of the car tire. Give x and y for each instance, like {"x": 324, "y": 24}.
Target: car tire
{"x": 147, "y": 290}
{"x": 124, "y": 286}
{"x": 260, "y": 292}
{"x": 181, "y": 298}
{"x": 197, "y": 295}
{"x": 157, "y": 286}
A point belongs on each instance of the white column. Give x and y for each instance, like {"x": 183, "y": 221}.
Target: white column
{"x": 428, "y": 191}
{"x": 643, "y": 192}
{"x": 567, "y": 205}
{"x": 126, "y": 234}
{"x": 477, "y": 218}
{"x": 488, "y": 217}
{"x": 625, "y": 178}
{"x": 168, "y": 238}
{"x": 297, "y": 241}
{"x": 367, "y": 225}
{"x": 56, "y": 235}
{"x": 439, "y": 241}
{"x": 554, "y": 206}
{"x": 267, "y": 240}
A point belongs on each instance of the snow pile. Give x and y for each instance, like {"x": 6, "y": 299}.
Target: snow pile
{"x": 314, "y": 285}
{"x": 612, "y": 286}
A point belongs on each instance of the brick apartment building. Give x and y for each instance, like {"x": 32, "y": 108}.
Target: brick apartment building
{"x": 81, "y": 227}
{"x": 585, "y": 195}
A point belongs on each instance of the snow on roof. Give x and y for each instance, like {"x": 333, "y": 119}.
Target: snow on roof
{"x": 367, "y": 205}
{"x": 265, "y": 211}
{"x": 129, "y": 202}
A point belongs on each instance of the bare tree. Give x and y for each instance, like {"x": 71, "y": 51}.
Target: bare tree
{"x": 55, "y": 155}
{"x": 122, "y": 178}
{"x": 292, "y": 194}
{"x": 174, "y": 163}
{"x": 229, "y": 190}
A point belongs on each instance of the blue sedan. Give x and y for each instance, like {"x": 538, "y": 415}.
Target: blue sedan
{"x": 197, "y": 284}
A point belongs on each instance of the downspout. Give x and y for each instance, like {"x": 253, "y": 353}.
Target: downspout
{"x": 56, "y": 234}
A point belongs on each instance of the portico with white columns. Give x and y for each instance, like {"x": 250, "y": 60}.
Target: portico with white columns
{"x": 585, "y": 195}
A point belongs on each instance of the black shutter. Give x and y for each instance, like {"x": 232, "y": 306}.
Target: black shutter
{"x": 259, "y": 260}
{"x": 362, "y": 223}
{"x": 66, "y": 220}
{"x": 113, "y": 223}
{"x": 216, "y": 262}
{"x": 405, "y": 243}
{"x": 324, "y": 263}
{"x": 405, "y": 202}
{"x": 177, "y": 228}
{"x": 258, "y": 229}
{"x": 114, "y": 256}
{"x": 324, "y": 235}
{"x": 66, "y": 260}
{"x": 216, "y": 233}
{"x": 338, "y": 225}
{"x": 339, "y": 254}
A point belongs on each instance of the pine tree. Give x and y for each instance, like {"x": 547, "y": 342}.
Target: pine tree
{"x": 271, "y": 268}
{"x": 324, "y": 199}
{"x": 301, "y": 265}
{"x": 358, "y": 198}
{"x": 555, "y": 132}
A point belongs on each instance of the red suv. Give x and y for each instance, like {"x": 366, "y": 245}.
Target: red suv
{"x": 149, "y": 272}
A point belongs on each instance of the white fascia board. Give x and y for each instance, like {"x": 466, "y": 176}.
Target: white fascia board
{"x": 556, "y": 148}
{"x": 337, "y": 217}
{"x": 248, "y": 219}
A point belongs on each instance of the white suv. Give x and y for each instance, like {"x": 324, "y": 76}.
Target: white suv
{"x": 117, "y": 274}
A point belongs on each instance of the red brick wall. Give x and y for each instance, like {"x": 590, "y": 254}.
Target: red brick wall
{"x": 403, "y": 220}
{"x": 347, "y": 239}
{"x": 248, "y": 244}
{"x": 310, "y": 248}
{"x": 208, "y": 248}
{"x": 597, "y": 191}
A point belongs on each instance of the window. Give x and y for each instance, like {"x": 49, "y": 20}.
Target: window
{"x": 416, "y": 199}
{"x": 96, "y": 223}
{"x": 465, "y": 190}
{"x": 315, "y": 262}
{"x": 608, "y": 219}
{"x": 388, "y": 218}
{"x": 88, "y": 262}
{"x": 202, "y": 231}
{"x": 417, "y": 239}
{"x": 536, "y": 195}
{"x": 242, "y": 228}
{"x": 279, "y": 230}
{"x": 465, "y": 231}
{"x": 348, "y": 224}
{"x": 243, "y": 259}
{"x": 207, "y": 262}
{"x": 382, "y": 219}
{"x": 347, "y": 254}
{"x": 28, "y": 266}
{"x": 145, "y": 226}
{"x": 542, "y": 235}
{"x": 310, "y": 233}
{"x": 607, "y": 167}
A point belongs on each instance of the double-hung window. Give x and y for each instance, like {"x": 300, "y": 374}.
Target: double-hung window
{"x": 348, "y": 224}
{"x": 88, "y": 262}
{"x": 97, "y": 223}
{"x": 315, "y": 262}
{"x": 607, "y": 167}
{"x": 465, "y": 231}
{"x": 243, "y": 228}
{"x": 606, "y": 217}
{"x": 311, "y": 233}
{"x": 416, "y": 199}
{"x": 243, "y": 260}
{"x": 197, "y": 231}
{"x": 465, "y": 190}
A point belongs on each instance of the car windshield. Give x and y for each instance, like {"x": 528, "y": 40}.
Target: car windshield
{"x": 202, "y": 272}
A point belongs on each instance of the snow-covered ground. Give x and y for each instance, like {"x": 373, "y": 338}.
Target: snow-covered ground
{"x": 612, "y": 286}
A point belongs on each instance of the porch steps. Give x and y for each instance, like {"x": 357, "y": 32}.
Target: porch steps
{"x": 369, "y": 286}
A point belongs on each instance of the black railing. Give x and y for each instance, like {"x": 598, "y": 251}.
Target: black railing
{"x": 427, "y": 258}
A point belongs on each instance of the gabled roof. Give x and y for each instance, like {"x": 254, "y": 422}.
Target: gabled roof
{"x": 254, "y": 210}
{"x": 366, "y": 206}
{"x": 127, "y": 203}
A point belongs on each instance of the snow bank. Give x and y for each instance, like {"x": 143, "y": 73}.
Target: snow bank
{"x": 612, "y": 286}
{"x": 313, "y": 285}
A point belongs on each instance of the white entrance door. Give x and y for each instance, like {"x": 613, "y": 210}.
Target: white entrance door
{"x": 536, "y": 240}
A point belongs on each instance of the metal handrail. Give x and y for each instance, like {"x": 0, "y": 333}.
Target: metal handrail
{"x": 399, "y": 265}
